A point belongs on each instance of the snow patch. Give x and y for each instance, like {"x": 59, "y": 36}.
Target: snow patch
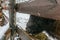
{"x": 3, "y": 29}
{"x": 20, "y": 1}
{"x": 49, "y": 37}
{"x": 22, "y": 19}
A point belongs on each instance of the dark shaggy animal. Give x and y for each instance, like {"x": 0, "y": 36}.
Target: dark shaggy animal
{"x": 38, "y": 24}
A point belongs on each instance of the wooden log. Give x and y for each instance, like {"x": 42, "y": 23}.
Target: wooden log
{"x": 7, "y": 34}
{"x": 41, "y": 8}
{"x": 23, "y": 35}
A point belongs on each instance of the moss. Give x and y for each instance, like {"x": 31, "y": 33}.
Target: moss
{"x": 41, "y": 36}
